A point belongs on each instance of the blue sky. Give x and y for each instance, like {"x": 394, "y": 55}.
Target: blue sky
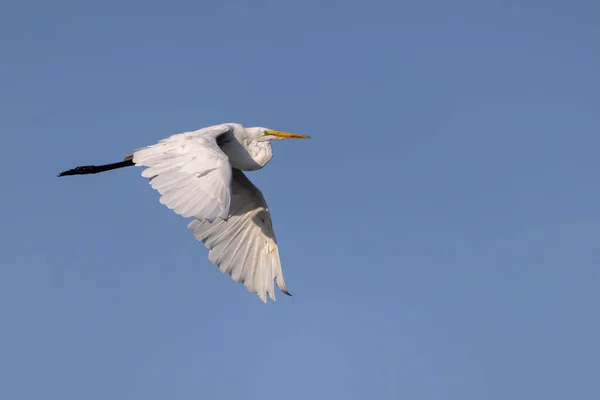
{"x": 439, "y": 231}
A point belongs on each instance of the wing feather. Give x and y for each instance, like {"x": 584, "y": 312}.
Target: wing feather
{"x": 244, "y": 245}
{"x": 191, "y": 172}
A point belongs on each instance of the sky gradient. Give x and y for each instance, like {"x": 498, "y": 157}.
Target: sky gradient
{"x": 439, "y": 232}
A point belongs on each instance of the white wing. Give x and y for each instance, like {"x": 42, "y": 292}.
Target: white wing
{"x": 191, "y": 172}
{"x": 244, "y": 245}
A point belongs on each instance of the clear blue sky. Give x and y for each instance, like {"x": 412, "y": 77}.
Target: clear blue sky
{"x": 440, "y": 232}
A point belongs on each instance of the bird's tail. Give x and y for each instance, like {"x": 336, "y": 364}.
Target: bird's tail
{"x": 94, "y": 169}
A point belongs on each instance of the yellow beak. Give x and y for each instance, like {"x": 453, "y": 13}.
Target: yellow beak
{"x": 286, "y": 135}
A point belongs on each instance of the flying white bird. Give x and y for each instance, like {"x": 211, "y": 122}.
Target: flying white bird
{"x": 199, "y": 174}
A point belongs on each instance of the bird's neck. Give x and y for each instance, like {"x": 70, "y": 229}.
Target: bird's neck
{"x": 260, "y": 152}
{"x": 248, "y": 156}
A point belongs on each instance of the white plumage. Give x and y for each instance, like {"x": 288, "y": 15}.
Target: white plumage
{"x": 244, "y": 245}
{"x": 191, "y": 173}
{"x": 199, "y": 175}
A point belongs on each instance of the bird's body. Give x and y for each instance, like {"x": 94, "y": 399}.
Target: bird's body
{"x": 199, "y": 175}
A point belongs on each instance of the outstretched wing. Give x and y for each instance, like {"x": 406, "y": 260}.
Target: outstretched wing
{"x": 244, "y": 245}
{"x": 191, "y": 172}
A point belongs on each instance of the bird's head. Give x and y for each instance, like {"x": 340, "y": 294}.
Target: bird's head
{"x": 255, "y": 150}
{"x": 261, "y": 134}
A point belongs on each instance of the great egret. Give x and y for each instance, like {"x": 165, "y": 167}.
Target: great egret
{"x": 199, "y": 174}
